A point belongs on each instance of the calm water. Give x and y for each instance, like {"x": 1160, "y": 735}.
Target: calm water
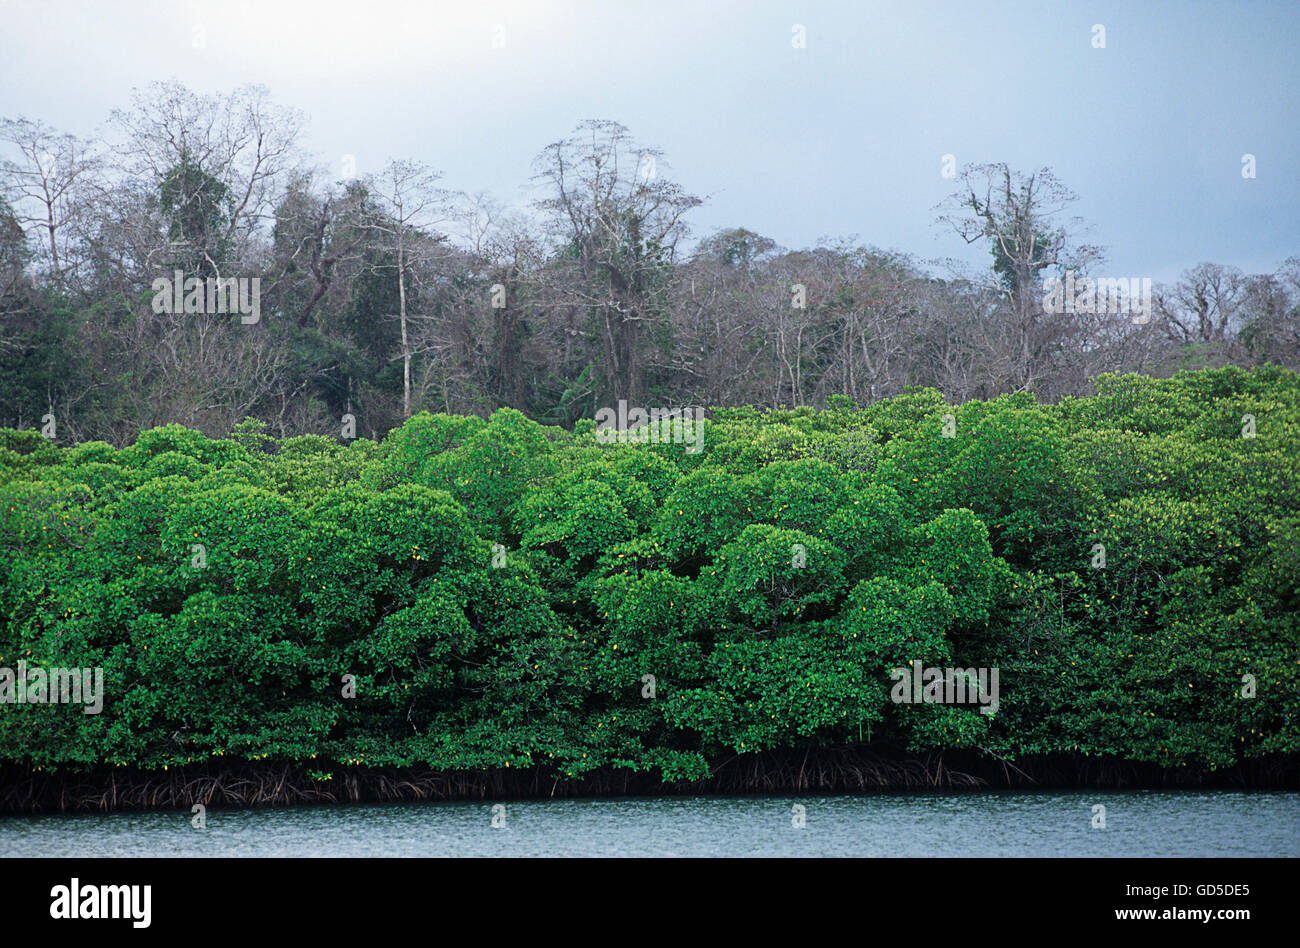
{"x": 1138, "y": 823}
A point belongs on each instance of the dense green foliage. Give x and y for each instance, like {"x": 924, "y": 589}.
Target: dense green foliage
{"x": 624, "y": 560}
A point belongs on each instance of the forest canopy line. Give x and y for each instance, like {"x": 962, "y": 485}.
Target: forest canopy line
{"x": 386, "y": 294}
{"x": 499, "y": 591}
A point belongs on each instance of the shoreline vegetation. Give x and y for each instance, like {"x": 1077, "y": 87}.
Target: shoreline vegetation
{"x": 830, "y": 770}
{"x": 495, "y": 607}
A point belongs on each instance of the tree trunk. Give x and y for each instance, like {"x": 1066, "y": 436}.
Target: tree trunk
{"x": 406, "y": 346}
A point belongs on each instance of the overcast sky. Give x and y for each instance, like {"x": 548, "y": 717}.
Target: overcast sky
{"x": 841, "y": 138}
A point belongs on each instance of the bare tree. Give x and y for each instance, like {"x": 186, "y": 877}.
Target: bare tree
{"x": 723, "y": 304}
{"x": 1203, "y": 306}
{"x": 618, "y": 221}
{"x": 411, "y": 206}
{"x": 1018, "y": 215}
{"x": 44, "y": 185}
{"x": 218, "y": 160}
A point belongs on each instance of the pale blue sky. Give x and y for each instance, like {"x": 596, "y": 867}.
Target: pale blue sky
{"x": 843, "y": 137}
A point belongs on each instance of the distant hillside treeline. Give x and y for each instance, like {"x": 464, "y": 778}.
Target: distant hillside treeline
{"x": 500, "y": 589}
{"x": 382, "y": 293}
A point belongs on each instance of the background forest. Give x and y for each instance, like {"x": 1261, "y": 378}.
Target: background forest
{"x": 389, "y": 294}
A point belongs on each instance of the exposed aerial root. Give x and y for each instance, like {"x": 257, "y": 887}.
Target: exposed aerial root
{"x": 848, "y": 769}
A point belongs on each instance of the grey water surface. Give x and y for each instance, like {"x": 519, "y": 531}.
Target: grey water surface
{"x": 1054, "y": 824}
